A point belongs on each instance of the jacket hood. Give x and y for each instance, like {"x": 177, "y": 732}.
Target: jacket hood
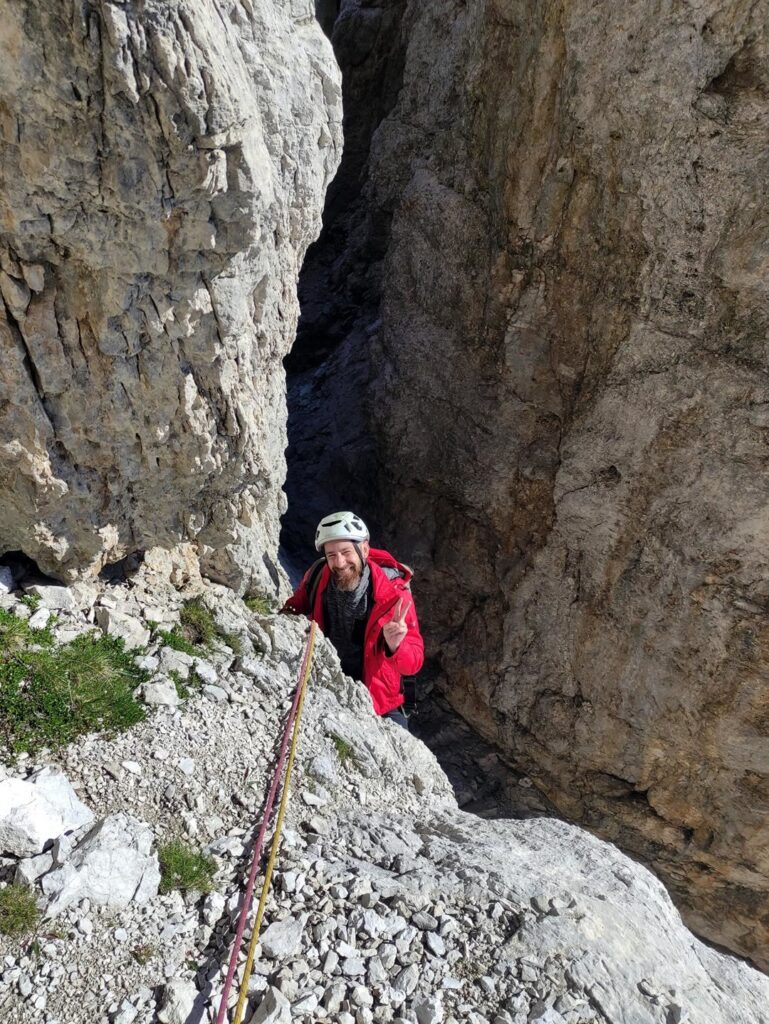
{"x": 386, "y": 561}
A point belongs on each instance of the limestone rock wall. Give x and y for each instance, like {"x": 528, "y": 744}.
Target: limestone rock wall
{"x": 164, "y": 167}
{"x": 568, "y": 396}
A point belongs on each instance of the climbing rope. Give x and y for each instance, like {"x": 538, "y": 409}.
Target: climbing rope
{"x": 292, "y": 731}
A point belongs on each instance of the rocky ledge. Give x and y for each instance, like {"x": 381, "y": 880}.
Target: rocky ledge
{"x": 389, "y": 903}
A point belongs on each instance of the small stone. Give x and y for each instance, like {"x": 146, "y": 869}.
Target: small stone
{"x": 274, "y": 1008}
{"x": 160, "y": 691}
{"x": 34, "y": 275}
{"x": 407, "y": 979}
{"x": 429, "y": 1010}
{"x": 352, "y": 967}
{"x": 29, "y": 869}
{"x": 547, "y": 1016}
{"x": 39, "y": 620}
{"x": 7, "y": 583}
{"x": 178, "y": 1000}
{"x": 213, "y": 908}
{"x": 127, "y": 1013}
{"x": 424, "y": 921}
{"x": 175, "y": 661}
{"x": 283, "y": 938}
{"x": 206, "y": 672}
{"x": 186, "y": 765}
{"x": 312, "y": 800}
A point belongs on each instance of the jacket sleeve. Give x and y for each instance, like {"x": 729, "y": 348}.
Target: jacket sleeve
{"x": 299, "y": 602}
{"x": 410, "y": 656}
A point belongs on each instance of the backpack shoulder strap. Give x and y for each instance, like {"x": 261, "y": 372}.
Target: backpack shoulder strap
{"x": 313, "y": 580}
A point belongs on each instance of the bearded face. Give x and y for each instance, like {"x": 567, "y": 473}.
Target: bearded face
{"x": 345, "y": 563}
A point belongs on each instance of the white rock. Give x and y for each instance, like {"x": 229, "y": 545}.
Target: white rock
{"x": 58, "y": 599}
{"x": 284, "y": 938}
{"x": 254, "y": 669}
{"x": 206, "y": 671}
{"x": 128, "y": 628}
{"x": 186, "y": 765}
{"x": 213, "y": 908}
{"x": 429, "y": 1010}
{"x": 273, "y": 1009}
{"x": 7, "y": 582}
{"x": 175, "y": 661}
{"x": 37, "y": 810}
{"x": 307, "y": 1004}
{"x": 160, "y": 691}
{"x": 214, "y": 692}
{"x": 127, "y": 1013}
{"x": 112, "y": 865}
{"x": 40, "y": 618}
{"x": 549, "y": 1016}
{"x": 178, "y": 1001}
{"x": 30, "y": 869}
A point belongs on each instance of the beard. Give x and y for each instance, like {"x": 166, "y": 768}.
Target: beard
{"x": 347, "y": 579}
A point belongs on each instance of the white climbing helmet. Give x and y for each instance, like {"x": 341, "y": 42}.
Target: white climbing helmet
{"x": 340, "y": 526}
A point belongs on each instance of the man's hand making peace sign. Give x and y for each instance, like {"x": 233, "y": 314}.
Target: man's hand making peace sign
{"x": 396, "y": 629}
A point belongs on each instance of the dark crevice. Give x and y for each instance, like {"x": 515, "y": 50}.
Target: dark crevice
{"x": 332, "y": 455}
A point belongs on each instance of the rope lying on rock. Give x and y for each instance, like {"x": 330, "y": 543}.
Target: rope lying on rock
{"x": 292, "y": 731}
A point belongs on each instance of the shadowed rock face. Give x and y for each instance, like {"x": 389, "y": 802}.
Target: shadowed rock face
{"x": 165, "y": 166}
{"x": 563, "y": 362}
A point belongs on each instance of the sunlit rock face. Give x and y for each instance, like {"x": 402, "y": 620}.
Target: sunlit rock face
{"x": 562, "y": 402}
{"x": 164, "y": 172}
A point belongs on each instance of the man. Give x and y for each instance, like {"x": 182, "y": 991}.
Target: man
{"x": 361, "y": 600}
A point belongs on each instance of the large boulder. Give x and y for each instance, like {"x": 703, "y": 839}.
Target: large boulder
{"x": 112, "y": 865}
{"x": 37, "y": 810}
{"x": 165, "y": 170}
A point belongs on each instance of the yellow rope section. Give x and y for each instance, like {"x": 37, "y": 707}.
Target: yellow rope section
{"x": 275, "y": 840}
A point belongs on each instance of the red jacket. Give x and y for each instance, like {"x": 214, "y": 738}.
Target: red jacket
{"x": 382, "y": 671}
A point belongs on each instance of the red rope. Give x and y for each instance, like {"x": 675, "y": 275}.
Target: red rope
{"x": 249, "y": 893}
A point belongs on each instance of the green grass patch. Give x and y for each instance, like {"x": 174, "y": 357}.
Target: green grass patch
{"x": 183, "y": 868}
{"x": 260, "y": 604}
{"x": 197, "y": 623}
{"x": 344, "y": 750}
{"x": 197, "y": 631}
{"x": 32, "y": 601}
{"x": 232, "y": 640}
{"x": 175, "y": 639}
{"x": 186, "y": 687}
{"x": 49, "y": 695}
{"x": 18, "y": 910}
